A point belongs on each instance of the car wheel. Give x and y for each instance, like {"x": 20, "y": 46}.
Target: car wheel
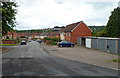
{"x": 61, "y": 45}
{"x": 58, "y": 45}
{"x": 72, "y": 45}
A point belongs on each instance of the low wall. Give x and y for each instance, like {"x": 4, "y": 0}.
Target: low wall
{"x": 8, "y": 42}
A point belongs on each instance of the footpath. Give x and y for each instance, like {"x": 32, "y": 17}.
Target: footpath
{"x": 84, "y": 55}
{"x": 3, "y": 49}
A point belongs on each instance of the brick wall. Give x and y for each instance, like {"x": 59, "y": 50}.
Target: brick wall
{"x": 8, "y": 42}
{"x": 68, "y": 36}
{"x": 81, "y": 30}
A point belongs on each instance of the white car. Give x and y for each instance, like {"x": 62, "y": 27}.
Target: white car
{"x": 23, "y": 42}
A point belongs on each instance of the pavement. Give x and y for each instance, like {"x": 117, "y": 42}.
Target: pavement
{"x": 84, "y": 55}
{"x": 5, "y": 49}
{"x": 34, "y": 60}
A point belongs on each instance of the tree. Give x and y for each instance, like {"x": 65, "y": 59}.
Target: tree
{"x": 113, "y": 25}
{"x": 8, "y": 16}
{"x": 100, "y": 33}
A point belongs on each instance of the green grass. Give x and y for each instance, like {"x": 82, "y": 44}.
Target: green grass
{"x": 116, "y": 60}
{"x": 8, "y": 39}
{"x": 7, "y": 44}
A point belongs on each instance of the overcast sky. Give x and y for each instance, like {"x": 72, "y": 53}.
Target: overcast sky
{"x": 37, "y": 14}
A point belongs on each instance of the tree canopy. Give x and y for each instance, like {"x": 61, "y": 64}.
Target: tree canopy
{"x": 8, "y": 16}
{"x": 113, "y": 25}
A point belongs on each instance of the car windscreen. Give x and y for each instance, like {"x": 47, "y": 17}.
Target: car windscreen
{"x": 23, "y": 41}
{"x": 65, "y": 42}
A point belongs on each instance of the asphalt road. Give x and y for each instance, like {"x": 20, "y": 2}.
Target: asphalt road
{"x": 33, "y": 60}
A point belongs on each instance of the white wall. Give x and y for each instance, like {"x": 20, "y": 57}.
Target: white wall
{"x": 43, "y": 37}
{"x": 62, "y": 36}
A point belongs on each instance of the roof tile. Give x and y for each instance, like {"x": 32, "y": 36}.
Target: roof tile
{"x": 70, "y": 27}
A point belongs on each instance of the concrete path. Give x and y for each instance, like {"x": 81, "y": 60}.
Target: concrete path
{"x": 84, "y": 55}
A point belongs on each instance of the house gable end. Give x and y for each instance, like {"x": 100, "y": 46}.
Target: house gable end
{"x": 80, "y": 25}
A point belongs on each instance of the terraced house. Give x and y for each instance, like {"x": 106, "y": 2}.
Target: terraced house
{"x": 75, "y": 30}
{"x": 54, "y": 34}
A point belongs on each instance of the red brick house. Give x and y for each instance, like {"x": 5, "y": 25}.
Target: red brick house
{"x": 54, "y": 34}
{"x": 10, "y": 35}
{"x": 43, "y": 35}
{"x": 50, "y": 35}
{"x": 30, "y": 35}
{"x": 73, "y": 31}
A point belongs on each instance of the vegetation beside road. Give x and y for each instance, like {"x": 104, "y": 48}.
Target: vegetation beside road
{"x": 9, "y": 11}
{"x": 112, "y": 29}
{"x": 51, "y": 41}
{"x": 116, "y": 60}
{"x": 17, "y": 41}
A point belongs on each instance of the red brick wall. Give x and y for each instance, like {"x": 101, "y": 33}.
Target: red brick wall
{"x": 8, "y": 42}
{"x": 58, "y": 36}
{"x": 81, "y": 30}
{"x": 14, "y": 35}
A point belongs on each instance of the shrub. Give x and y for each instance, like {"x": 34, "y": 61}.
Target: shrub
{"x": 116, "y": 60}
{"x": 34, "y": 38}
{"x": 46, "y": 38}
{"x": 8, "y": 39}
{"x": 55, "y": 39}
{"x": 102, "y": 33}
{"x": 18, "y": 40}
{"x": 52, "y": 41}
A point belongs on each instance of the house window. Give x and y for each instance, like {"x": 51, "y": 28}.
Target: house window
{"x": 67, "y": 34}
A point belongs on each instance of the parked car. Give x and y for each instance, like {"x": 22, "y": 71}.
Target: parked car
{"x": 65, "y": 44}
{"x": 29, "y": 40}
{"x": 39, "y": 40}
{"x": 23, "y": 42}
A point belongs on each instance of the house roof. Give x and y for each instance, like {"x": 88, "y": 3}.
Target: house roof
{"x": 70, "y": 27}
{"x": 28, "y": 34}
{"x": 54, "y": 33}
{"x": 57, "y": 33}
{"x": 51, "y": 34}
{"x": 44, "y": 34}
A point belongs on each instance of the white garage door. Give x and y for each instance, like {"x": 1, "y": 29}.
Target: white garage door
{"x": 88, "y": 43}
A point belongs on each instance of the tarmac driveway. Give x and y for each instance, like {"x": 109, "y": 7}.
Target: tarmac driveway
{"x": 85, "y": 55}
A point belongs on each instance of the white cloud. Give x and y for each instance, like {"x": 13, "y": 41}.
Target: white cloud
{"x": 36, "y": 14}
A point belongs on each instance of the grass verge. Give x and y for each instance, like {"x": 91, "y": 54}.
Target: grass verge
{"x": 116, "y": 60}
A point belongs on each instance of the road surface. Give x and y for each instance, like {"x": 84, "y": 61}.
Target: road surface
{"x": 33, "y": 60}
